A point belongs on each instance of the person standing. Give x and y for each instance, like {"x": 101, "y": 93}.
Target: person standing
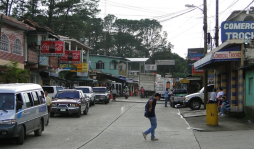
{"x": 152, "y": 117}
{"x": 212, "y": 97}
{"x": 49, "y": 104}
{"x": 220, "y": 94}
{"x": 166, "y": 97}
{"x": 114, "y": 94}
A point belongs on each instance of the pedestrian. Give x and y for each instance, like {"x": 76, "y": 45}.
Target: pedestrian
{"x": 225, "y": 106}
{"x": 49, "y": 104}
{"x": 212, "y": 97}
{"x": 166, "y": 97}
{"x": 114, "y": 94}
{"x": 152, "y": 117}
{"x": 220, "y": 94}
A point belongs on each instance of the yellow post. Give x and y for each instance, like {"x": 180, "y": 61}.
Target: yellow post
{"x": 212, "y": 114}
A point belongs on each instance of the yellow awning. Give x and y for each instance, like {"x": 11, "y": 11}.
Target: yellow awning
{"x": 184, "y": 81}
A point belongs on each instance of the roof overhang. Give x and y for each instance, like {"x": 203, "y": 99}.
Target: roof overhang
{"x": 207, "y": 62}
{"x": 137, "y": 59}
{"x": 16, "y": 23}
{"x": 76, "y": 44}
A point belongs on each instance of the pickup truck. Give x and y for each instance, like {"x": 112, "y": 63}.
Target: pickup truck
{"x": 177, "y": 97}
{"x": 101, "y": 94}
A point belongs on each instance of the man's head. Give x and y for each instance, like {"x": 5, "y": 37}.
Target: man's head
{"x": 142, "y": 87}
{"x": 46, "y": 93}
{"x": 166, "y": 89}
{"x": 223, "y": 98}
{"x": 220, "y": 89}
{"x": 157, "y": 96}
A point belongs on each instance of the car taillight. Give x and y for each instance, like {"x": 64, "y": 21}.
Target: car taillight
{"x": 172, "y": 98}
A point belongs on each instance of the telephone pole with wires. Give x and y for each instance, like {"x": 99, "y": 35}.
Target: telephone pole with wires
{"x": 217, "y": 24}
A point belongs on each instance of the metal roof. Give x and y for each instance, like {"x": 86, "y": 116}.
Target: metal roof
{"x": 137, "y": 59}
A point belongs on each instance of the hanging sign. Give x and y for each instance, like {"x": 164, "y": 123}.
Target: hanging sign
{"x": 52, "y": 48}
{"x": 71, "y": 57}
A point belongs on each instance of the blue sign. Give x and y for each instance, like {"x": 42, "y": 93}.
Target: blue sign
{"x": 237, "y": 30}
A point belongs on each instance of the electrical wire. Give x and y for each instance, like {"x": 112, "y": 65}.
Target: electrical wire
{"x": 177, "y": 15}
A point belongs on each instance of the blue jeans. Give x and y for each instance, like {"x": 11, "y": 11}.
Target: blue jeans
{"x": 224, "y": 109}
{"x": 151, "y": 130}
{"x": 166, "y": 101}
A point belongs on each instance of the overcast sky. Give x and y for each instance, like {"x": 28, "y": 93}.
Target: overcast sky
{"x": 185, "y": 31}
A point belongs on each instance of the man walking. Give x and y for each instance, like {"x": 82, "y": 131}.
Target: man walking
{"x": 152, "y": 117}
{"x": 49, "y": 104}
{"x": 114, "y": 94}
{"x": 166, "y": 97}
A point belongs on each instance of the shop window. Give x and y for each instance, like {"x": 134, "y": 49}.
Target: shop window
{"x": 17, "y": 47}
{"x": 251, "y": 86}
{"x": 113, "y": 65}
{"x": 4, "y": 43}
{"x": 100, "y": 65}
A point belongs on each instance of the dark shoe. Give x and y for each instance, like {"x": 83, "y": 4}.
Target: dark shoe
{"x": 154, "y": 139}
{"x": 166, "y": 106}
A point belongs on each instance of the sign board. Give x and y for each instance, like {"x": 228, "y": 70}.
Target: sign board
{"x": 151, "y": 67}
{"x": 237, "y": 30}
{"x": 227, "y": 55}
{"x": 164, "y": 62}
{"x": 71, "y": 57}
{"x": 52, "y": 48}
{"x": 197, "y": 71}
{"x": 168, "y": 76}
{"x": 194, "y": 55}
{"x": 82, "y": 67}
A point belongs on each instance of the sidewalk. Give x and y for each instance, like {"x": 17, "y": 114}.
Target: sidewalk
{"x": 197, "y": 121}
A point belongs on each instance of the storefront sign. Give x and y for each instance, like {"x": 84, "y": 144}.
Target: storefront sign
{"x": 237, "y": 30}
{"x": 150, "y": 67}
{"x": 52, "y": 48}
{"x": 227, "y": 55}
{"x": 194, "y": 55}
{"x": 165, "y": 62}
{"x": 197, "y": 71}
{"x": 71, "y": 57}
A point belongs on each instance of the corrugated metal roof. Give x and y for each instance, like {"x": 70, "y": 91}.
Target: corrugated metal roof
{"x": 137, "y": 59}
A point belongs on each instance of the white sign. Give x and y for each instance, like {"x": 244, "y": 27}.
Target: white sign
{"x": 227, "y": 55}
{"x": 165, "y": 62}
{"x": 82, "y": 74}
{"x": 151, "y": 67}
{"x": 168, "y": 76}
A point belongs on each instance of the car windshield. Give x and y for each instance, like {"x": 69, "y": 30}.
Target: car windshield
{"x": 6, "y": 101}
{"x": 48, "y": 89}
{"x": 67, "y": 94}
{"x": 99, "y": 90}
{"x": 85, "y": 90}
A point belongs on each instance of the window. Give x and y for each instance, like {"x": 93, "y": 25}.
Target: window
{"x": 58, "y": 88}
{"x": 36, "y": 99}
{"x": 113, "y": 65}
{"x": 48, "y": 89}
{"x": 250, "y": 86}
{"x": 100, "y": 65}
{"x": 28, "y": 99}
{"x": 40, "y": 97}
{"x": 17, "y": 47}
{"x": 4, "y": 43}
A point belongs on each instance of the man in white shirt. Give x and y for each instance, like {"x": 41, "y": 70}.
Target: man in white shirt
{"x": 220, "y": 94}
{"x": 212, "y": 97}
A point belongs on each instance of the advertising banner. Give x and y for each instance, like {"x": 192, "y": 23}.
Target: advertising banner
{"x": 164, "y": 62}
{"x": 194, "y": 55}
{"x": 227, "y": 55}
{"x": 52, "y": 48}
{"x": 237, "y": 30}
{"x": 151, "y": 67}
{"x": 197, "y": 71}
{"x": 71, "y": 57}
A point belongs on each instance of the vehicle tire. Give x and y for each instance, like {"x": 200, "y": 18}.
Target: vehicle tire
{"x": 172, "y": 104}
{"x": 38, "y": 132}
{"x": 195, "y": 104}
{"x": 21, "y": 138}
{"x": 85, "y": 112}
{"x": 93, "y": 102}
{"x": 79, "y": 112}
{"x": 90, "y": 103}
{"x": 52, "y": 114}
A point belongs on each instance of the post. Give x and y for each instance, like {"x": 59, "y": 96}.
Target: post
{"x": 216, "y": 24}
{"x": 205, "y": 51}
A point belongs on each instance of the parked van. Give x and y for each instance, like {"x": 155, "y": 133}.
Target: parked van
{"x": 22, "y": 110}
{"x": 118, "y": 87}
{"x": 52, "y": 90}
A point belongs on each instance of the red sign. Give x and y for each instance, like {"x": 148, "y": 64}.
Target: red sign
{"x": 197, "y": 71}
{"x": 227, "y": 55}
{"x": 71, "y": 57}
{"x": 52, "y": 48}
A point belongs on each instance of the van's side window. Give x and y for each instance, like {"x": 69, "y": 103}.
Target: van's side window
{"x": 36, "y": 99}
{"x": 19, "y": 99}
{"x": 28, "y": 102}
{"x": 40, "y": 97}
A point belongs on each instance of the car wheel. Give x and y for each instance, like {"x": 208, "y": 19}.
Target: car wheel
{"x": 195, "y": 104}
{"x": 171, "y": 104}
{"x": 85, "y": 112}
{"x": 90, "y": 103}
{"x": 106, "y": 101}
{"x": 93, "y": 102}
{"x": 79, "y": 112}
{"x": 21, "y": 138}
{"x": 52, "y": 114}
{"x": 38, "y": 132}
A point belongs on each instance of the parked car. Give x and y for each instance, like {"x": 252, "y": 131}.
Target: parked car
{"x": 177, "y": 97}
{"x": 101, "y": 94}
{"x": 22, "y": 111}
{"x": 195, "y": 100}
{"x": 89, "y": 92}
{"x": 70, "y": 101}
{"x": 52, "y": 90}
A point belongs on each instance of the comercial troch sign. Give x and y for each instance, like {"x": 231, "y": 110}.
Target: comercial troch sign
{"x": 165, "y": 62}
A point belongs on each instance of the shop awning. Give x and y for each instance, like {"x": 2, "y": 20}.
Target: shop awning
{"x": 184, "y": 81}
{"x": 228, "y": 51}
{"x": 81, "y": 79}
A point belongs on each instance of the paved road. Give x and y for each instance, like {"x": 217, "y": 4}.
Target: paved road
{"x": 115, "y": 125}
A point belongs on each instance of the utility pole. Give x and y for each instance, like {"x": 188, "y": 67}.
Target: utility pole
{"x": 205, "y": 78}
{"x": 216, "y": 24}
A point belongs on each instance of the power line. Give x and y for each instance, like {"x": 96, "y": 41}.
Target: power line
{"x": 177, "y": 15}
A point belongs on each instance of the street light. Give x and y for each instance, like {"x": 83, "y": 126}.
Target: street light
{"x": 204, "y": 10}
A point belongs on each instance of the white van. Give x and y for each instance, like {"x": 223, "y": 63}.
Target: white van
{"x": 22, "y": 110}
{"x": 52, "y": 90}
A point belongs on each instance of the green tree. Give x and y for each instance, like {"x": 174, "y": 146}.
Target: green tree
{"x": 13, "y": 74}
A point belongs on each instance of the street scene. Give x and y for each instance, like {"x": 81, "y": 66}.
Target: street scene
{"x": 77, "y": 74}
